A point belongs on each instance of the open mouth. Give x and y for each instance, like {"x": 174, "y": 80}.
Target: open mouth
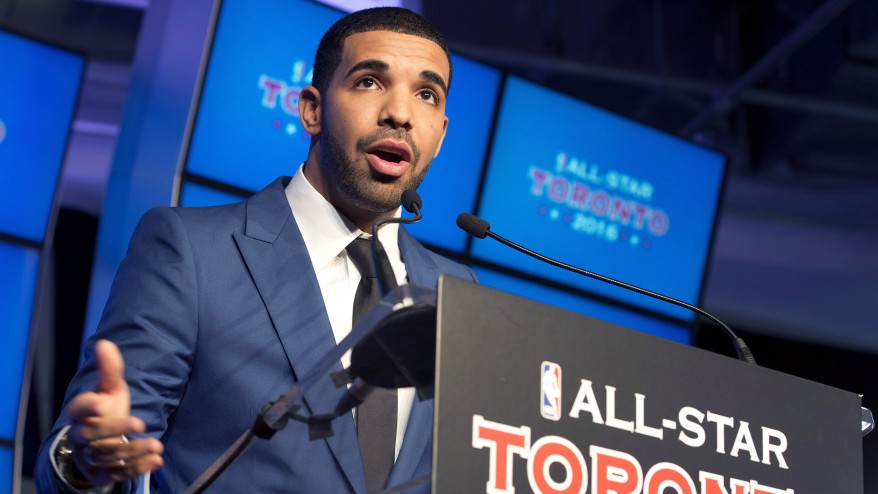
{"x": 390, "y": 156}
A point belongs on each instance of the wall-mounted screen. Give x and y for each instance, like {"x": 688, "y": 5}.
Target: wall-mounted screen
{"x": 601, "y": 192}
{"x": 247, "y": 129}
{"x": 19, "y": 266}
{"x": 40, "y": 87}
{"x": 559, "y": 298}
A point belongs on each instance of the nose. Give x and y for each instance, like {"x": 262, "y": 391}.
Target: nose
{"x": 396, "y": 112}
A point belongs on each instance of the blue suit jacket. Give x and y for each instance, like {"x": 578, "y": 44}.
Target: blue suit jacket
{"x": 216, "y": 311}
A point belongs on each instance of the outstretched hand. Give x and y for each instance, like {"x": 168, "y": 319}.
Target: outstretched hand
{"x": 102, "y": 422}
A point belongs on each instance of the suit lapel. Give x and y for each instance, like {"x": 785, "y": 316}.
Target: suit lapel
{"x": 422, "y": 270}
{"x": 278, "y": 261}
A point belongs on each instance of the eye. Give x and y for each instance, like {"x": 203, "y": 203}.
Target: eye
{"x": 366, "y": 83}
{"x": 429, "y": 96}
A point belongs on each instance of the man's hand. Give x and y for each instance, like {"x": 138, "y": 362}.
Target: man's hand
{"x": 101, "y": 423}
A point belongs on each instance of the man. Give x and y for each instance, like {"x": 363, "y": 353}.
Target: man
{"x": 219, "y": 310}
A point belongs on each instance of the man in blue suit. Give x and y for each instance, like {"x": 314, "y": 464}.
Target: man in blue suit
{"x": 216, "y": 311}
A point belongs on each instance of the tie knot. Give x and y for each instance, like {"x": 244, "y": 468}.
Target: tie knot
{"x": 360, "y": 252}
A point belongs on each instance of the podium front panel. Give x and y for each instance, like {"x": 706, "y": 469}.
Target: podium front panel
{"x": 531, "y": 398}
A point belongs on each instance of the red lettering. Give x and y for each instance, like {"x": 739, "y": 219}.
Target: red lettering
{"x": 539, "y": 177}
{"x": 639, "y": 214}
{"x": 614, "y": 472}
{"x": 554, "y": 449}
{"x": 659, "y": 223}
{"x": 291, "y": 101}
{"x": 579, "y": 196}
{"x": 600, "y": 203}
{"x": 715, "y": 484}
{"x": 755, "y": 488}
{"x": 668, "y": 476}
{"x": 272, "y": 88}
{"x": 558, "y": 189}
{"x": 621, "y": 211}
{"x": 502, "y": 441}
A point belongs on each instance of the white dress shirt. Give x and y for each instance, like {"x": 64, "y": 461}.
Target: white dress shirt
{"x": 327, "y": 233}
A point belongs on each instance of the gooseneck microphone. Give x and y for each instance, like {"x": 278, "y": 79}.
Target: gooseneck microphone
{"x": 360, "y": 388}
{"x": 479, "y": 228}
{"x": 411, "y": 201}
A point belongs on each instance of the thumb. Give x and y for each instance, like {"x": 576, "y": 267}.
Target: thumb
{"x": 111, "y": 368}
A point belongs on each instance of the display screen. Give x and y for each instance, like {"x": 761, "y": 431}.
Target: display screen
{"x": 34, "y": 126}
{"x": 247, "y": 130}
{"x": 195, "y": 195}
{"x": 575, "y": 303}
{"x": 19, "y": 266}
{"x": 600, "y": 192}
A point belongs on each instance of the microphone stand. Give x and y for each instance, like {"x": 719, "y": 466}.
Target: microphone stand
{"x": 480, "y": 228}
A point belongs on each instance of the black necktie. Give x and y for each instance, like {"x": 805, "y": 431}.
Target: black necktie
{"x": 376, "y": 417}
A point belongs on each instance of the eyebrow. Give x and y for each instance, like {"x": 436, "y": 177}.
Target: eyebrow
{"x": 369, "y": 64}
{"x": 381, "y": 66}
{"x": 429, "y": 75}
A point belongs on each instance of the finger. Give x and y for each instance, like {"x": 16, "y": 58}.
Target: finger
{"x": 123, "y": 470}
{"x": 84, "y": 405}
{"x": 91, "y": 429}
{"x": 135, "y": 467}
{"x": 111, "y": 368}
{"x": 113, "y": 460}
{"x": 109, "y": 452}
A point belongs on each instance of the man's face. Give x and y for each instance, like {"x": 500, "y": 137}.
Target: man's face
{"x": 382, "y": 121}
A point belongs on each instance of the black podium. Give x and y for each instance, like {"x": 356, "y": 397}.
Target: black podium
{"x": 531, "y": 398}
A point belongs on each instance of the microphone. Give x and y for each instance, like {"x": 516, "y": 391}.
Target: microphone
{"x": 479, "y": 228}
{"x": 411, "y": 201}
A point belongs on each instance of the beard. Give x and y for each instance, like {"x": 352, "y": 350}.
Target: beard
{"x": 361, "y": 186}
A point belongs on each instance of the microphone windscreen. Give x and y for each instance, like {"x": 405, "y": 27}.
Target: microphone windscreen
{"x": 473, "y": 225}
{"x": 411, "y": 199}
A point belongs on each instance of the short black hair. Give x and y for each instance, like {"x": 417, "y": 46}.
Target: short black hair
{"x": 393, "y": 19}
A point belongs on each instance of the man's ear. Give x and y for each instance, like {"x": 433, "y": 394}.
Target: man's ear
{"x": 310, "y": 109}
{"x": 442, "y": 139}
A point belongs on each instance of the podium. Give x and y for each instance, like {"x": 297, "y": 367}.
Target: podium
{"x": 532, "y": 398}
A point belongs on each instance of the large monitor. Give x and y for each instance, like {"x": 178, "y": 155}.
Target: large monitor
{"x": 602, "y": 192}
{"x": 39, "y": 87}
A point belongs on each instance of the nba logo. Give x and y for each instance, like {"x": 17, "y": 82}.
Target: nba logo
{"x": 550, "y": 388}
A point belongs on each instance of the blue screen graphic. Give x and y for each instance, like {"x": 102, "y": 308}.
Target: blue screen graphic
{"x": 601, "y": 192}
{"x": 6, "y": 463}
{"x": 198, "y": 195}
{"x": 591, "y": 308}
{"x": 247, "y": 130}
{"x": 34, "y": 125}
{"x": 19, "y": 266}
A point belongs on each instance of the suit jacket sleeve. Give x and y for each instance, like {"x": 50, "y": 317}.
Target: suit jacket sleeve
{"x": 152, "y": 315}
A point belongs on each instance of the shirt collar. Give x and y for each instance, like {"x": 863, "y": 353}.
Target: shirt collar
{"x": 325, "y": 231}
